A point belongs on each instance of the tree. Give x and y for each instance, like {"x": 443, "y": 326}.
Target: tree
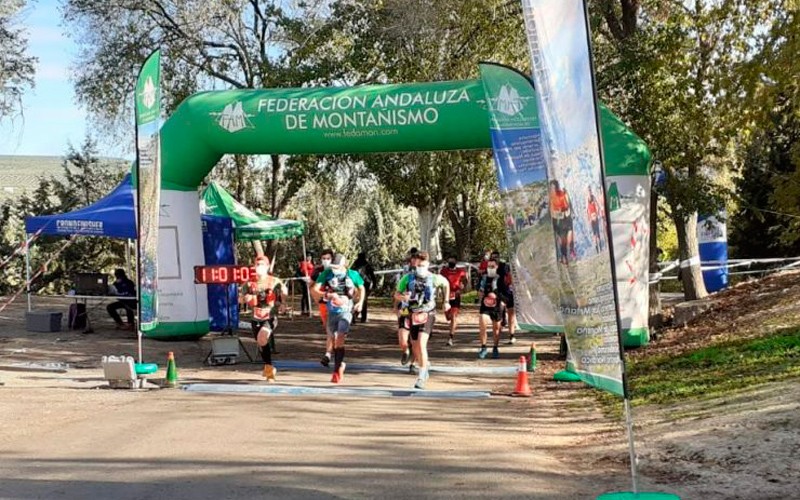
{"x": 16, "y": 68}
{"x": 673, "y": 70}
{"x": 211, "y": 44}
{"x": 415, "y": 40}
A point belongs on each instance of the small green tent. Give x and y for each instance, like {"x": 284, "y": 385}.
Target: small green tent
{"x": 248, "y": 225}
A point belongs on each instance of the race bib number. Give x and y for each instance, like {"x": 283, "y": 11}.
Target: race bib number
{"x": 490, "y": 300}
{"x": 261, "y": 313}
{"x": 419, "y": 318}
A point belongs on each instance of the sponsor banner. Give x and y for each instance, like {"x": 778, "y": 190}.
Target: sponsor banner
{"x": 74, "y": 226}
{"x": 629, "y": 205}
{"x": 559, "y": 44}
{"x": 148, "y": 186}
{"x": 712, "y": 237}
{"x": 522, "y": 177}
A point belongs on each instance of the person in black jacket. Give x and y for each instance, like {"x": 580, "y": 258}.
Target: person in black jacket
{"x": 367, "y": 272}
{"x": 126, "y": 290}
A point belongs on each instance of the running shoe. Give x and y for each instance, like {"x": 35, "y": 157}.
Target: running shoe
{"x": 335, "y": 378}
{"x": 512, "y": 340}
{"x": 325, "y": 361}
{"x": 340, "y": 371}
{"x": 422, "y": 380}
{"x": 404, "y": 358}
{"x": 450, "y": 342}
{"x": 483, "y": 353}
{"x": 495, "y": 353}
{"x": 269, "y": 373}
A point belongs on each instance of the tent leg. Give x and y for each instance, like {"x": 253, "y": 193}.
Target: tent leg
{"x": 27, "y": 270}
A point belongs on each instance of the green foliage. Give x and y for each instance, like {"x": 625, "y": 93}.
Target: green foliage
{"x": 389, "y": 230}
{"x": 16, "y": 67}
{"x": 86, "y": 178}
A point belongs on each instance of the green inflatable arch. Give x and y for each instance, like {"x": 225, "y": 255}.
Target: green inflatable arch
{"x": 448, "y": 115}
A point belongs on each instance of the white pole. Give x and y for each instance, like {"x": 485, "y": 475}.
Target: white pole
{"x": 631, "y": 449}
{"x": 27, "y": 270}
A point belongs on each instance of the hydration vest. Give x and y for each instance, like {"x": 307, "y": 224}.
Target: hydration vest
{"x": 421, "y": 291}
{"x": 340, "y": 286}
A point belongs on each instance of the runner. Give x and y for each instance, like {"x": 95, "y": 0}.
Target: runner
{"x": 343, "y": 291}
{"x": 304, "y": 271}
{"x": 505, "y": 287}
{"x": 489, "y": 309}
{"x": 457, "y": 278}
{"x": 561, "y": 213}
{"x": 594, "y": 213}
{"x": 402, "y": 312}
{"x": 418, "y": 291}
{"x": 263, "y": 295}
{"x": 325, "y": 262}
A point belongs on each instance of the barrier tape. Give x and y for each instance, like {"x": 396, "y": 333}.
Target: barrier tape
{"x": 21, "y": 247}
{"x": 39, "y": 272}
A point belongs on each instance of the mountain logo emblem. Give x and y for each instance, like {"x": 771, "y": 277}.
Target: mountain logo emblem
{"x": 149, "y": 93}
{"x": 233, "y": 118}
{"x": 509, "y": 102}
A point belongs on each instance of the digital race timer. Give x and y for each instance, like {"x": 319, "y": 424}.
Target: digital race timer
{"x": 223, "y": 274}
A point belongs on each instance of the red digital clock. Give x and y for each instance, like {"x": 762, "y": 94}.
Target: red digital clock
{"x": 223, "y": 274}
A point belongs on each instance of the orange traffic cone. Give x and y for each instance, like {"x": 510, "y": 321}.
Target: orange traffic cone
{"x": 523, "y": 389}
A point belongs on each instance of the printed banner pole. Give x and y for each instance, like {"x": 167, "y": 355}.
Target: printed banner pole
{"x": 148, "y": 187}
{"x": 522, "y": 178}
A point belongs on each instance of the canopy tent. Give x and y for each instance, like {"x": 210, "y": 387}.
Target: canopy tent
{"x": 112, "y": 216}
{"x": 248, "y": 225}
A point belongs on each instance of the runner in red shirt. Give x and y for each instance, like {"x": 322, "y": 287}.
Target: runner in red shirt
{"x": 304, "y": 272}
{"x": 457, "y": 277}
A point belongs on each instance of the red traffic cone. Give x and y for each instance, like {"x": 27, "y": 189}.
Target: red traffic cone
{"x": 523, "y": 389}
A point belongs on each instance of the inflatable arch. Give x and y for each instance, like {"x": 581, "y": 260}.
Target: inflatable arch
{"x": 448, "y": 115}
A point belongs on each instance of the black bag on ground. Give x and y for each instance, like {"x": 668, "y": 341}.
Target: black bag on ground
{"x": 77, "y": 316}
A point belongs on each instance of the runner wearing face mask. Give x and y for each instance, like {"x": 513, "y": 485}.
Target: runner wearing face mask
{"x": 324, "y": 263}
{"x": 457, "y": 279}
{"x": 418, "y": 291}
{"x": 343, "y": 292}
{"x": 403, "y": 312}
{"x": 263, "y": 295}
{"x": 489, "y": 309}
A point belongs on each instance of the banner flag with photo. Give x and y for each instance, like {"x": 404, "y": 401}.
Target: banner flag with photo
{"x": 558, "y": 40}
{"x": 148, "y": 186}
{"x": 522, "y": 178}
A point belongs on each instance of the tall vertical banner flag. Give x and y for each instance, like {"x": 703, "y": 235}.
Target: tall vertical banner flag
{"x": 148, "y": 184}
{"x": 562, "y": 71}
{"x": 522, "y": 177}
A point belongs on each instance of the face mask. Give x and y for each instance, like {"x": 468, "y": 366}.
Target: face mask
{"x": 486, "y": 256}
{"x": 451, "y": 265}
{"x": 326, "y": 263}
{"x": 491, "y": 272}
{"x": 422, "y": 272}
{"x": 339, "y": 272}
{"x": 262, "y": 270}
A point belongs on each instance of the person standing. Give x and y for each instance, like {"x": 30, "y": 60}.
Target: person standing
{"x": 126, "y": 290}
{"x": 457, "y": 278}
{"x": 367, "y": 273}
{"x": 304, "y": 272}
{"x": 417, "y": 290}
{"x": 343, "y": 292}
{"x": 263, "y": 295}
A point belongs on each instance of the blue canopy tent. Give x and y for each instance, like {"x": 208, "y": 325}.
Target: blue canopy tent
{"x": 114, "y": 216}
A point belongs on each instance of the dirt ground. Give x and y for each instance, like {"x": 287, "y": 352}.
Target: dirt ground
{"x": 64, "y": 435}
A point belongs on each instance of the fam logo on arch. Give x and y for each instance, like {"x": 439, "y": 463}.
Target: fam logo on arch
{"x": 233, "y": 118}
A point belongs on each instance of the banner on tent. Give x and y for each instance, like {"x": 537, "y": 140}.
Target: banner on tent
{"x": 570, "y": 128}
{"x": 148, "y": 185}
{"x": 522, "y": 177}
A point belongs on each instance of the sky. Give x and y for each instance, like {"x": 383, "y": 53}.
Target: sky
{"x": 52, "y": 119}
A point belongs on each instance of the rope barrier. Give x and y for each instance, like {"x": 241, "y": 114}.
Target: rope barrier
{"x": 21, "y": 247}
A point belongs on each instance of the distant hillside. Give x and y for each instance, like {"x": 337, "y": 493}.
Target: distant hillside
{"x": 19, "y": 174}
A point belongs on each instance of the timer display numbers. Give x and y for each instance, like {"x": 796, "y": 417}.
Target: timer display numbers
{"x": 223, "y": 274}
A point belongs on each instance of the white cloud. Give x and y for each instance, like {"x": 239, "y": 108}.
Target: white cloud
{"x": 49, "y": 71}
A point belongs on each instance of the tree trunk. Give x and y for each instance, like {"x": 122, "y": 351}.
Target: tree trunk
{"x": 276, "y": 172}
{"x": 654, "y": 316}
{"x": 240, "y": 164}
{"x": 430, "y": 222}
{"x": 689, "y": 251}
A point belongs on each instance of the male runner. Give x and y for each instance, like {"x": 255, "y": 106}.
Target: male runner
{"x": 457, "y": 279}
{"x": 490, "y": 311}
{"x": 505, "y": 287}
{"x": 263, "y": 295}
{"x": 403, "y": 311}
{"x": 325, "y": 262}
{"x": 418, "y": 291}
{"x": 343, "y": 291}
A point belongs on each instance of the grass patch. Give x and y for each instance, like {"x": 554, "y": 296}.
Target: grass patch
{"x": 712, "y": 371}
